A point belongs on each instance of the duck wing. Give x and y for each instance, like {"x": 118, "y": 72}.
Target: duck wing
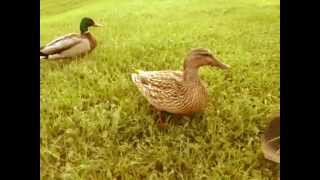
{"x": 161, "y": 88}
{"x": 60, "y": 44}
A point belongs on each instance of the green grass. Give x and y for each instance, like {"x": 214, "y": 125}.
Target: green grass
{"x": 96, "y": 125}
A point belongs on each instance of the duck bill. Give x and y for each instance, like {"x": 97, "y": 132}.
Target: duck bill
{"x": 97, "y": 25}
{"x": 221, "y": 65}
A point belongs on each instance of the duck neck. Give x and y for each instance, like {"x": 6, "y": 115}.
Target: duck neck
{"x": 84, "y": 27}
{"x": 191, "y": 75}
{"x": 92, "y": 40}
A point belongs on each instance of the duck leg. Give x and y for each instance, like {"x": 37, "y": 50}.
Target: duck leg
{"x": 161, "y": 120}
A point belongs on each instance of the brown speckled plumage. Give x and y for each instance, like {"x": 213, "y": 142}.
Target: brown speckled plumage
{"x": 177, "y": 92}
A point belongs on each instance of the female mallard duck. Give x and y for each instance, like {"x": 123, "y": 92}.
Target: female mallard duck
{"x": 177, "y": 92}
{"x": 71, "y": 45}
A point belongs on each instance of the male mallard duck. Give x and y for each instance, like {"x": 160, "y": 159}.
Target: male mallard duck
{"x": 177, "y": 92}
{"x": 71, "y": 45}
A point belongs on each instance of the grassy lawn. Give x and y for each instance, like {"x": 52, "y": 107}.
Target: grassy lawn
{"x": 96, "y": 125}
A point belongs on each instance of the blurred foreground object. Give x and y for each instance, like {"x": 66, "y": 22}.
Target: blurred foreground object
{"x": 271, "y": 139}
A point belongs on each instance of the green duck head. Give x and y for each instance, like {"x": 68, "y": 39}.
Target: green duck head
{"x": 86, "y": 23}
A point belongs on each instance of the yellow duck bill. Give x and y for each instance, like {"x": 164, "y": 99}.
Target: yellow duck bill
{"x": 97, "y": 25}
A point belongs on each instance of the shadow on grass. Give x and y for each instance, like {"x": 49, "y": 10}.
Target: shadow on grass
{"x": 61, "y": 63}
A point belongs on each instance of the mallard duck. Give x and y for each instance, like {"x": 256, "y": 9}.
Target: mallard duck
{"x": 177, "y": 92}
{"x": 71, "y": 45}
